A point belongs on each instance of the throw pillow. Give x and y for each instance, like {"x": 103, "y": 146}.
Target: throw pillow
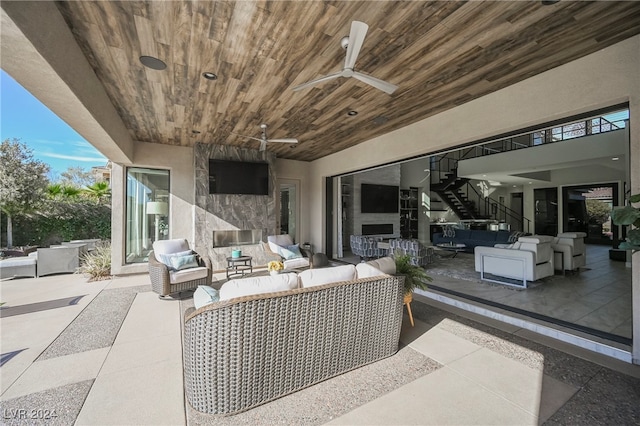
{"x": 204, "y": 295}
{"x": 179, "y": 263}
{"x": 166, "y": 258}
{"x": 449, "y": 232}
{"x": 291, "y": 252}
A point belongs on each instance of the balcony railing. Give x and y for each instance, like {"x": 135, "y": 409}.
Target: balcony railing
{"x": 576, "y": 129}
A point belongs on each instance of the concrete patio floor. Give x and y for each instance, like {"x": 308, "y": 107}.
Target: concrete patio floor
{"x": 109, "y": 352}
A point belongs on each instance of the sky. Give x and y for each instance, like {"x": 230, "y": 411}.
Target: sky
{"x": 51, "y": 140}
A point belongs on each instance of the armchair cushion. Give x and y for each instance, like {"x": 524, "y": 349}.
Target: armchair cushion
{"x": 278, "y": 241}
{"x": 190, "y": 274}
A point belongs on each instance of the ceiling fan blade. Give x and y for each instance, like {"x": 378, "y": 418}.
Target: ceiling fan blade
{"x": 318, "y": 80}
{"x": 285, "y": 140}
{"x": 375, "y": 82}
{"x": 356, "y": 38}
{"x": 248, "y": 137}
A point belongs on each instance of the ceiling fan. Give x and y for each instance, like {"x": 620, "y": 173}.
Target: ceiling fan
{"x": 353, "y": 44}
{"x": 264, "y": 140}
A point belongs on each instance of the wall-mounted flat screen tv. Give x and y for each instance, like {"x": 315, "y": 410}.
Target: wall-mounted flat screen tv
{"x": 238, "y": 177}
{"x": 379, "y": 198}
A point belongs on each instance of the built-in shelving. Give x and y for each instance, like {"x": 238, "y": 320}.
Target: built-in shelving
{"x": 409, "y": 212}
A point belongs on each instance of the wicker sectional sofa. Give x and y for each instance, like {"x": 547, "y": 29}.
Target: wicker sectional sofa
{"x": 245, "y": 351}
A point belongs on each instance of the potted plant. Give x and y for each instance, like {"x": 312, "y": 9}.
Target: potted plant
{"x": 414, "y": 276}
{"x": 629, "y": 215}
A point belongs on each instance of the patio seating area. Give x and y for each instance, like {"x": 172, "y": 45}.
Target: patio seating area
{"x": 110, "y": 352}
{"x": 63, "y": 258}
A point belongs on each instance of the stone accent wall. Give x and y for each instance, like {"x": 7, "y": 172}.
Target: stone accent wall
{"x": 230, "y": 211}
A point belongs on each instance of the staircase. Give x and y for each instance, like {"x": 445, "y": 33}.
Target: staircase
{"x": 449, "y": 190}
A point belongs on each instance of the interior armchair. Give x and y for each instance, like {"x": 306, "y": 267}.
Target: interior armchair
{"x": 569, "y": 251}
{"x": 366, "y": 247}
{"x": 528, "y": 259}
{"x": 419, "y": 255}
{"x": 174, "y": 267}
{"x": 292, "y": 256}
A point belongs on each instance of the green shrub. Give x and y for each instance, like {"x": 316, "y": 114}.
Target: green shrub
{"x": 97, "y": 263}
{"x": 63, "y": 220}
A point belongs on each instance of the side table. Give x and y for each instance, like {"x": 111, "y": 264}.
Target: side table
{"x": 238, "y": 266}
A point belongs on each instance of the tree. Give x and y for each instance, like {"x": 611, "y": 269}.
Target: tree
{"x": 77, "y": 177}
{"x": 598, "y": 211}
{"x": 23, "y": 180}
{"x": 99, "y": 191}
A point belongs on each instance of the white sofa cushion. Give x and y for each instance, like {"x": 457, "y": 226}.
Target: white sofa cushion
{"x": 314, "y": 277}
{"x": 385, "y": 264}
{"x": 258, "y": 285}
{"x": 365, "y": 270}
{"x": 205, "y": 295}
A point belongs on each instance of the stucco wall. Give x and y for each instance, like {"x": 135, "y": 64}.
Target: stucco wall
{"x": 179, "y": 161}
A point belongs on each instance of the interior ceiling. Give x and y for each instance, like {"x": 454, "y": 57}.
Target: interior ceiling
{"x": 440, "y": 53}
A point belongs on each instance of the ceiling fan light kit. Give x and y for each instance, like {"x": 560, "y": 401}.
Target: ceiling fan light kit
{"x": 353, "y": 44}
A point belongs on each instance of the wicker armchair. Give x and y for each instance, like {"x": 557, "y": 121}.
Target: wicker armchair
{"x": 165, "y": 281}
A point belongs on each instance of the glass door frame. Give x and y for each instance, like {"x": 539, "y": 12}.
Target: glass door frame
{"x": 295, "y": 184}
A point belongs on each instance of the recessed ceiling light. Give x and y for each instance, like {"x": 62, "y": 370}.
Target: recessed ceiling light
{"x": 529, "y": 183}
{"x": 292, "y": 146}
{"x": 549, "y": 2}
{"x": 615, "y": 158}
{"x": 195, "y": 132}
{"x": 352, "y": 113}
{"x": 209, "y": 75}
{"x": 153, "y": 63}
{"x": 514, "y": 186}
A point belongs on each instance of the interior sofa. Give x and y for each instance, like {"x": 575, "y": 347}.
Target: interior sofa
{"x": 472, "y": 238}
{"x": 570, "y": 253}
{"x": 247, "y": 349}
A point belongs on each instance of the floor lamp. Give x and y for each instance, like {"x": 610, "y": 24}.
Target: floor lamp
{"x": 157, "y": 208}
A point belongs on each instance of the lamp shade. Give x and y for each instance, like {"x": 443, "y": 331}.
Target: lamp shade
{"x": 157, "y": 207}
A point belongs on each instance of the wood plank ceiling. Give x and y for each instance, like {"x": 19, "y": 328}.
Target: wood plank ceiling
{"x": 441, "y": 54}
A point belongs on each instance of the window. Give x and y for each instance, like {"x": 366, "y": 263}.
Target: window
{"x": 147, "y": 212}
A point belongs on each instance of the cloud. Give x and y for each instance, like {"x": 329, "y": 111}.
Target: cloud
{"x": 74, "y": 157}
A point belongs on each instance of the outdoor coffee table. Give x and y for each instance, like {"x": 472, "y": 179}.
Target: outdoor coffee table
{"x": 238, "y": 266}
{"x": 454, "y": 247}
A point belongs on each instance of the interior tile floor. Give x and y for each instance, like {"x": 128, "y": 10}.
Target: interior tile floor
{"x": 598, "y": 297}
